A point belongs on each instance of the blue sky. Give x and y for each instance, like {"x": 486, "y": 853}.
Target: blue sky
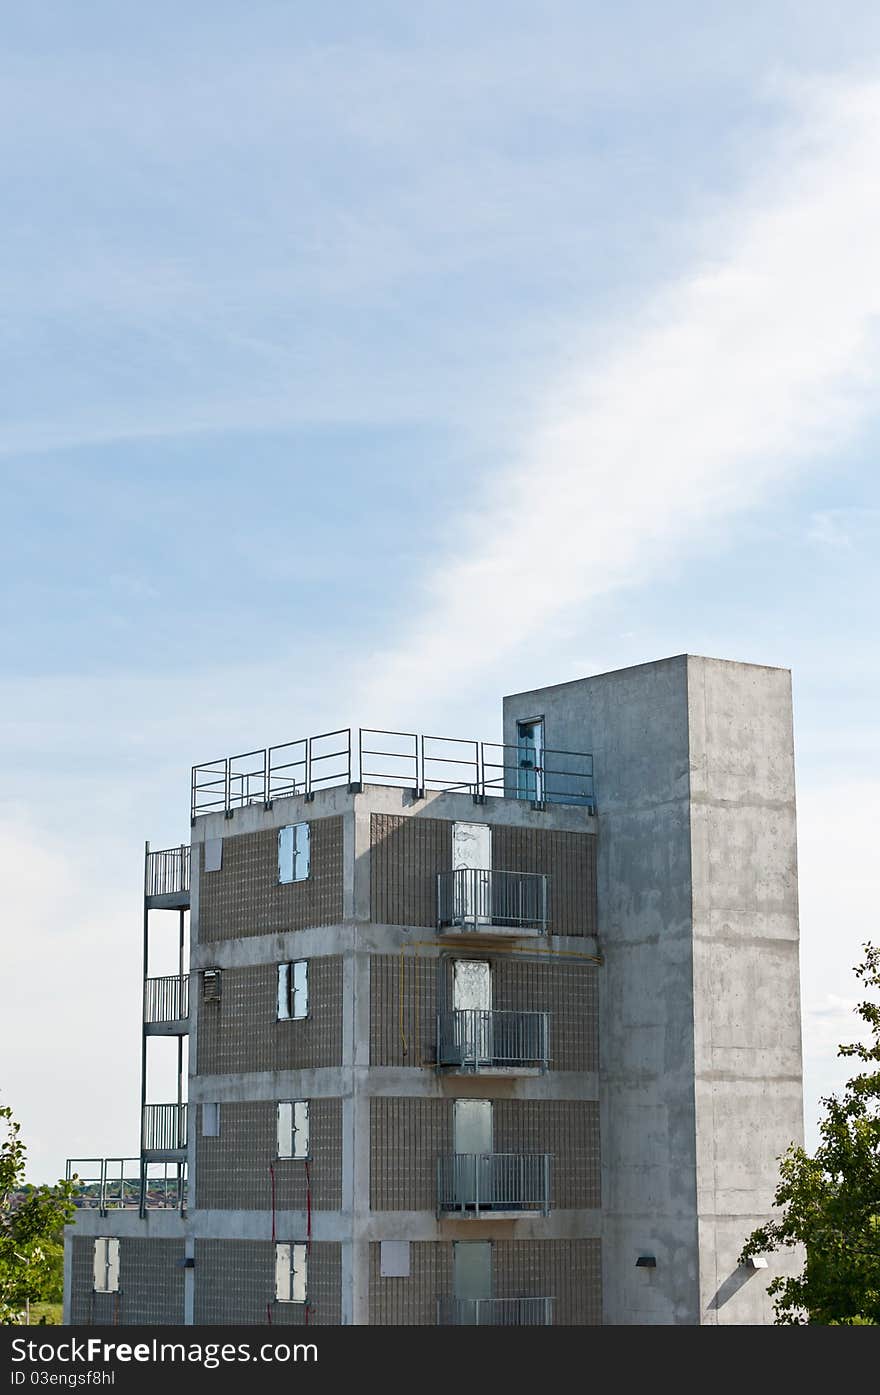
{"x": 320, "y": 321}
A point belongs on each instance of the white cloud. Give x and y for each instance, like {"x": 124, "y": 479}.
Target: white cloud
{"x": 733, "y": 381}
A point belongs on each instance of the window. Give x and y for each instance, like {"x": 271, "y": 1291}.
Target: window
{"x": 293, "y": 990}
{"x": 210, "y": 1121}
{"x": 211, "y": 986}
{"x": 293, "y": 853}
{"x": 106, "y": 1265}
{"x": 293, "y": 1129}
{"x": 213, "y": 854}
{"x": 290, "y": 1273}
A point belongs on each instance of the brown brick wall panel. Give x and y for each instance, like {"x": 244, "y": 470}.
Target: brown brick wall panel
{"x": 411, "y": 1302}
{"x": 233, "y": 1170}
{"x": 403, "y": 1027}
{"x": 235, "y": 1285}
{"x": 568, "y": 859}
{"x": 567, "y": 991}
{"x": 568, "y": 1271}
{"x": 569, "y": 1131}
{"x": 241, "y": 1033}
{"x": 407, "y": 853}
{"x": 245, "y": 897}
{"x": 406, "y": 1137}
{"x": 151, "y": 1280}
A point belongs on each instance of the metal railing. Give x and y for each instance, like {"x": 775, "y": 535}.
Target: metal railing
{"x": 488, "y": 1039}
{"x": 495, "y": 1312}
{"x": 166, "y": 999}
{"x": 479, "y": 899}
{"x": 167, "y": 871}
{"x": 164, "y": 1127}
{"x": 371, "y": 755}
{"x": 477, "y": 1184}
{"x": 126, "y": 1184}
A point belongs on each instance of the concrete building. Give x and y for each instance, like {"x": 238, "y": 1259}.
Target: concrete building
{"x": 494, "y": 1034}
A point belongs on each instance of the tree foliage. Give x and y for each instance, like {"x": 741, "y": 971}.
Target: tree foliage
{"x": 831, "y": 1202}
{"x": 31, "y": 1221}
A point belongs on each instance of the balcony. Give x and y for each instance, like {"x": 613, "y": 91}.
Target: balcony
{"x": 495, "y": 1186}
{"x": 495, "y": 1312}
{"x": 478, "y": 901}
{"x": 166, "y": 1005}
{"x": 166, "y": 878}
{"x": 165, "y": 1128}
{"x": 489, "y": 1042}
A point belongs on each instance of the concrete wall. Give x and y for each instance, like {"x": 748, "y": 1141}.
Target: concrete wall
{"x": 700, "y": 1079}
{"x": 747, "y": 1028}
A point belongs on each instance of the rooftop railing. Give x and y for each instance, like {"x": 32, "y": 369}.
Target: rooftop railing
{"x": 127, "y": 1184}
{"x": 495, "y": 1312}
{"x": 366, "y": 755}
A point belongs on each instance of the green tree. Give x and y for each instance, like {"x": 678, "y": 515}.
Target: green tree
{"x": 831, "y": 1202}
{"x": 30, "y": 1226}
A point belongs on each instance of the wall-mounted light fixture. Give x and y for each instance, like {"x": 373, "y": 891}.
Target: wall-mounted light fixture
{"x": 756, "y": 1262}
{"x": 646, "y": 1262}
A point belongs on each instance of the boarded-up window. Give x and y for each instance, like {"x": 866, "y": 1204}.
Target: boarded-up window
{"x": 294, "y": 858}
{"x": 106, "y": 1265}
{"x": 293, "y": 1129}
{"x": 290, "y": 1273}
{"x": 293, "y": 990}
{"x": 211, "y": 1120}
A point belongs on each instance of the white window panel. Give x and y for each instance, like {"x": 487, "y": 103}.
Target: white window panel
{"x": 299, "y": 996}
{"x": 283, "y": 992}
{"x": 210, "y": 1120}
{"x": 106, "y": 1265}
{"x": 301, "y": 1129}
{"x": 294, "y": 853}
{"x": 293, "y": 990}
{"x": 293, "y": 1129}
{"x": 285, "y": 1129}
{"x": 290, "y": 1273}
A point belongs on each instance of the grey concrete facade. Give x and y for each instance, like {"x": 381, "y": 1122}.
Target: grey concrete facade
{"x": 673, "y": 1080}
{"x": 700, "y": 1082}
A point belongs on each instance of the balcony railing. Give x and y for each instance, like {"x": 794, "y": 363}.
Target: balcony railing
{"x": 484, "y": 1184}
{"x": 478, "y": 1039}
{"x": 167, "y": 872}
{"x": 478, "y": 899}
{"x": 166, "y": 999}
{"x": 125, "y": 1184}
{"x": 495, "y": 1312}
{"x": 164, "y": 1128}
{"x": 364, "y": 755}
